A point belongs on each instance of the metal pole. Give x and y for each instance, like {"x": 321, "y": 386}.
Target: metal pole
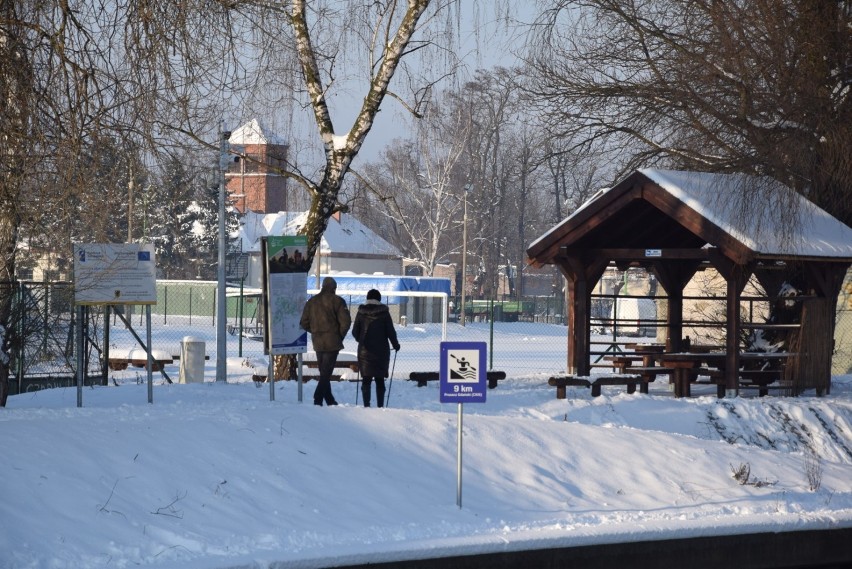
{"x": 270, "y": 376}
{"x": 464, "y": 256}
{"x": 299, "y": 374}
{"x": 240, "y": 312}
{"x": 221, "y": 350}
{"x": 459, "y": 461}
{"x": 150, "y": 354}
{"x": 80, "y": 371}
{"x": 491, "y": 336}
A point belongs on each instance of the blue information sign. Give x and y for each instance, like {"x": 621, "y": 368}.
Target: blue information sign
{"x": 463, "y": 373}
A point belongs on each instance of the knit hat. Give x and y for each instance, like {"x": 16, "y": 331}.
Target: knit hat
{"x": 373, "y": 294}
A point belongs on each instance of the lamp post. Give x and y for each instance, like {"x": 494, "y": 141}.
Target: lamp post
{"x": 464, "y": 255}
{"x": 221, "y": 299}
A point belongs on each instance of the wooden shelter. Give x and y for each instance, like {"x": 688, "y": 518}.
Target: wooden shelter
{"x": 675, "y": 223}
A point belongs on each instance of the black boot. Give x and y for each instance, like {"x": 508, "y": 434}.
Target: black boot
{"x": 366, "y": 388}
{"x": 380, "y": 392}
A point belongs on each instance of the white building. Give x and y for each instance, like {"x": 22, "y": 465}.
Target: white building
{"x": 347, "y": 246}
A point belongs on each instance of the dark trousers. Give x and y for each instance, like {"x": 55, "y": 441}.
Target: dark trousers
{"x": 325, "y": 362}
{"x": 366, "y": 384}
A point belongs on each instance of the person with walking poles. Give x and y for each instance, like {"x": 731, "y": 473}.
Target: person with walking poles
{"x": 374, "y": 329}
{"x": 327, "y": 319}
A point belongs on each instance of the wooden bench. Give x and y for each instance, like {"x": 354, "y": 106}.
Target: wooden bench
{"x": 345, "y": 360}
{"x": 648, "y": 374}
{"x": 261, "y": 377}
{"x": 621, "y": 379}
{"x": 714, "y": 377}
{"x": 595, "y": 383}
{"x": 760, "y": 379}
{"x": 563, "y": 381}
{"x": 422, "y": 377}
{"x": 119, "y": 359}
{"x": 622, "y": 361}
{"x": 763, "y": 389}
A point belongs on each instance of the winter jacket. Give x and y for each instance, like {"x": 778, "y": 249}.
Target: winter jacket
{"x": 327, "y": 319}
{"x": 373, "y": 329}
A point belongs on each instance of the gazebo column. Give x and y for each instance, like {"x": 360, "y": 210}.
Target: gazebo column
{"x": 673, "y": 276}
{"x": 580, "y": 281}
{"x": 817, "y": 334}
{"x": 736, "y": 276}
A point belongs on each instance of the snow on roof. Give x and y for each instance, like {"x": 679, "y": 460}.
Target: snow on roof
{"x": 345, "y": 236}
{"x": 787, "y": 224}
{"x": 253, "y": 132}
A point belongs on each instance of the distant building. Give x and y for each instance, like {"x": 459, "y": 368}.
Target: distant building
{"x": 253, "y": 179}
{"x": 347, "y": 246}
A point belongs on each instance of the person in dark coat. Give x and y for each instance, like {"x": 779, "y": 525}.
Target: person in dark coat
{"x": 373, "y": 329}
{"x": 327, "y": 319}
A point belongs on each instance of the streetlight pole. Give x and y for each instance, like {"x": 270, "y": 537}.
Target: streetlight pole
{"x": 464, "y": 255}
{"x": 221, "y": 299}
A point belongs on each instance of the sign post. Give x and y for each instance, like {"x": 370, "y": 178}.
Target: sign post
{"x": 463, "y": 379}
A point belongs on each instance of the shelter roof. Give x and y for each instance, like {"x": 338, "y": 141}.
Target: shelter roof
{"x": 746, "y": 217}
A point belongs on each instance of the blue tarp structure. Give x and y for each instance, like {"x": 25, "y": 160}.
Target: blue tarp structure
{"x": 385, "y": 284}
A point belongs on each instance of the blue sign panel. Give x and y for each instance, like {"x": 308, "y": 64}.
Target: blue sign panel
{"x": 463, "y": 374}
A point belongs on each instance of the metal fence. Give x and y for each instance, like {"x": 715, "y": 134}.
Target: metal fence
{"x": 524, "y": 337}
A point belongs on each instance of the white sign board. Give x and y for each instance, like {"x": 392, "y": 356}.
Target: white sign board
{"x": 115, "y": 273}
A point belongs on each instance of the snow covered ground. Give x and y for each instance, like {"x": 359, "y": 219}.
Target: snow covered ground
{"x": 217, "y": 475}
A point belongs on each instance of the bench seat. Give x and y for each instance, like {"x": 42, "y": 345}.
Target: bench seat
{"x": 422, "y": 377}
{"x": 595, "y": 383}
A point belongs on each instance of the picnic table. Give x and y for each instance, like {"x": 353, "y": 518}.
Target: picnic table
{"x": 648, "y": 368}
{"x": 687, "y": 366}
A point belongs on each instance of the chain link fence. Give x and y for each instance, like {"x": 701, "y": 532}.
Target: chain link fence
{"x": 524, "y": 337}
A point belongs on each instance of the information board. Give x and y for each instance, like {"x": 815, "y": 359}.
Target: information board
{"x": 287, "y": 292}
{"x": 115, "y": 273}
{"x": 463, "y": 373}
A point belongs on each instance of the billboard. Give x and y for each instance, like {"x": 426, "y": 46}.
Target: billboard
{"x": 115, "y": 273}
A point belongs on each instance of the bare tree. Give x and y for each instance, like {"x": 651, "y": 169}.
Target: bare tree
{"x": 757, "y": 87}
{"x": 58, "y": 98}
{"x": 420, "y": 186}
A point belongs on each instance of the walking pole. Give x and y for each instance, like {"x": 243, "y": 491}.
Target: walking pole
{"x": 357, "y": 386}
{"x": 387, "y": 401}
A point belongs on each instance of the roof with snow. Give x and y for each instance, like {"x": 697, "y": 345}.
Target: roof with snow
{"x": 746, "y": 217}
{"x": 348, "y": 235}
{"x": 253, "y": 132}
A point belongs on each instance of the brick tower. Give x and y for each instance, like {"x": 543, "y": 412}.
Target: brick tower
{"x": 252, "y": 180}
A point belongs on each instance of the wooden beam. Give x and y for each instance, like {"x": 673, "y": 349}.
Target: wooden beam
{"x": 648, "y": 254}
{"x": 673, "y": 276}
{"x": 736, "y": 276}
